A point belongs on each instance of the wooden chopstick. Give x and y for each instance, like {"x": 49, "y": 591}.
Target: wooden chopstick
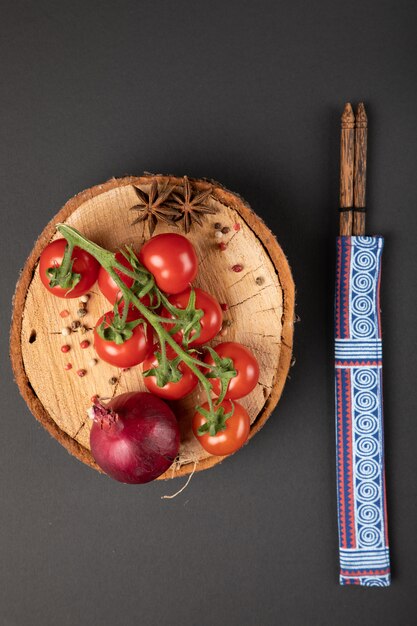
{"x": 347, "y": 145}
{"x": 359, "y": 185}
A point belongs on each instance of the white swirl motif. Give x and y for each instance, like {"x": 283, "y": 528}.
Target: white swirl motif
{"x": 374, "y": 582}
{"x": 361, "y": 305}
{"x": 365, "y": 400}
{"x": 367, "y": 491}
{"x": 369, "y": 536}
{"x": 363, "y": 327}
{"x": 367, "y": 446}
{"x": 368, "y": 514}
{"x": 362, "y": 283}
{"x": 364, "y": 260}
{"x": 366, "y": 424}
{"x": 365, "y": 378}
{"x": 367, "y": 469}
{"x": 366, "y": 242}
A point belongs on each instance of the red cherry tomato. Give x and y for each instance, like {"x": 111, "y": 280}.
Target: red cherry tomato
{"x": 170, "y": 391}
{"x": 132, "y": 352}
{"x": 111, "y": 291}
{"x": 108, "y": 287}
{"x": 246, "y": 366}
{"x": 211, "y": 322}
{"x": 172, "y": 260}
{"x": 84, "y": 264}
{"x": 225, "y": 441}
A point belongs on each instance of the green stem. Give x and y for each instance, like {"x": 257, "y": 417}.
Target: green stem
{"x": 66, "y": 259}
{"x": 108, "y": 262}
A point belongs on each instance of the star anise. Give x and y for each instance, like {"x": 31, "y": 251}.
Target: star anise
{"x": 191, "y": 204}
{"x": 152, "y": 206}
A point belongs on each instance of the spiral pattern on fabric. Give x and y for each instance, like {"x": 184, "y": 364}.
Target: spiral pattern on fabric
{"x": 367, "y": 446}
{"x": 365, "y": 400}
{"x": 365, "y": 378}
{"x": 366, "y": 424}
{"x": 370, "y": 536}
{"x": 364, "y": 327}
{"x": 364, "y": 260}
{"x": 362, "y": 305}
{"x": 368, "y": 514}
{"x": 362, "y": 283}
{"x": 368, "y": 491}
{"x": 367, "y": 468}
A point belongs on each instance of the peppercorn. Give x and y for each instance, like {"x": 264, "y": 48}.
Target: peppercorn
{"x": 84, "y": 344}
{"x": 81, "y": 312}
{"x": 225, "y": 230}
{"x": 65, "y": 348}
{"x": 75, "y": 324}
{"x": 113, "y": 380}
{"x": 237, "y": 267}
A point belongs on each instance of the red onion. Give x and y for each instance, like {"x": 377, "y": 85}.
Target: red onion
{"x": 135, "y": 437}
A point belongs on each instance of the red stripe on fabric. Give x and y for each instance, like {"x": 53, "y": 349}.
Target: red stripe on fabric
{"x": 349, "y": 460}
{"x": 365, "y": 572}
{"x": 358, "y": 363}
{"x": 352, "y": 581}
{"x": 337, "y": 302}
{"x": 340, "y": 461}
{"x": 346, "y": 289}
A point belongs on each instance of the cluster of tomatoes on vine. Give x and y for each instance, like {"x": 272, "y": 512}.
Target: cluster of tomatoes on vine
{"x": 160, "y": 277}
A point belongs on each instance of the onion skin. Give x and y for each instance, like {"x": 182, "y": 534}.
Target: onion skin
{"x": 135, "y": 437}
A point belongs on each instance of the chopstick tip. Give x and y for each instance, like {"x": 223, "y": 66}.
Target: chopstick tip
{"x": 348, "y": 117}
{"x": 361, "y": 117}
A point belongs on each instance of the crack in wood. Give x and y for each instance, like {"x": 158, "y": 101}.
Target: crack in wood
{"x": 80, "y": 428}
{"x": 251, "y": 297}
{"x": 251, "y": 332}
{"x": 201, "y": 261}
{"x": 250, "y": 271}
{"x": 261, "y": 384}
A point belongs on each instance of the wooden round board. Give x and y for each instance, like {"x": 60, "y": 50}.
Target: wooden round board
{"x": 260, "y": 314}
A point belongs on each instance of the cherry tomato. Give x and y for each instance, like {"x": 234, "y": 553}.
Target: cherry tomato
{"x": 225, "y": 441}
{"x": 211, "y": 322}
{"x": 170, "y": 391}
{"x": 244, "y": 363}
{"x": 107, "y": 286}
{"x": 172, "y": 259}
{"x": 111, "y": 291}
{"x": 132, "y": 352}
{"x": 84, "y": 264}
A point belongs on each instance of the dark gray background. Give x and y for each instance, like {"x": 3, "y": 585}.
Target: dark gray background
{"x": 249, "y": 93}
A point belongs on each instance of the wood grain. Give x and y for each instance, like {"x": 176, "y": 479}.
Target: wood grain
{"x": 347, "y": 145}
{"x": 361, "y": 143}
{"x": 260, "y": 313}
